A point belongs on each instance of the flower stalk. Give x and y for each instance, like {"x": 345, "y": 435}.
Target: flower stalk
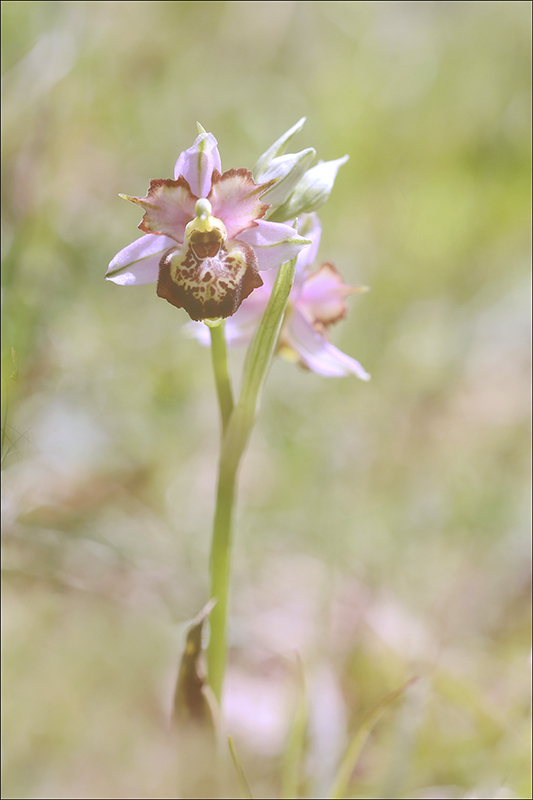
{"x": 219, "y": 359}
{"x": 236, "y": 433}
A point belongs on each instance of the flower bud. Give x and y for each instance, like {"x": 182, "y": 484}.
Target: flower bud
{"x": 287, "y": 172}
{"x": 275, "y": 150}
{"x": 311, "y": 192}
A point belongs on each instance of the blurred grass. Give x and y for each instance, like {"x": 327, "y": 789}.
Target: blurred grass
{"x": 384, "y": 528}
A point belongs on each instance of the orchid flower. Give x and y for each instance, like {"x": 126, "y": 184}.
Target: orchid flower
{"x": 317, "y": 300}
{"x": 205, "y": 240}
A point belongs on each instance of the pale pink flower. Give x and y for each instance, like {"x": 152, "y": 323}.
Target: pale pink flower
{"x": 205, "y": 239}
{"x": 317, "y": 300}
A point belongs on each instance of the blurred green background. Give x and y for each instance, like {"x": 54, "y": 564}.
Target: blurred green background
{"x": 383, "y": 528}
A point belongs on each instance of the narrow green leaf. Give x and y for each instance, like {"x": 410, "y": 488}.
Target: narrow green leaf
{"x": 262, "y": 348}
{"x": 244, "y": 786}
{"x": 256, "y": 367}
{"x": 349, "y": 762}
{"x": 294, "y": 752}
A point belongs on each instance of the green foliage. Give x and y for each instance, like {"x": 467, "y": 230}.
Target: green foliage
{"x": 383, "y": 528}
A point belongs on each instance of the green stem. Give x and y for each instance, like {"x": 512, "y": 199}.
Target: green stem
{"x": 220, "y": 572}
{"x": 219, "y": 359}
{"x": 239, "y": 424}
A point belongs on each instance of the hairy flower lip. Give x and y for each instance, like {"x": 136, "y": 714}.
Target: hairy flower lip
{"x": 211, "y": 287}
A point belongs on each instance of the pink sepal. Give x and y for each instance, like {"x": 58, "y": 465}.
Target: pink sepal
{"x": 274, "y": 243}
{"x": 316, "y": 353}
{"x": 197, "y": 164}
{"x": 138, "y": 263}
{"x": 234, "y": 198}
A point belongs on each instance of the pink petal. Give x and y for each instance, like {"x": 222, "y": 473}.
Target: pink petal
{"x": 197, "y": 164}
{"x": 169, "y": 206}
{"x": 273, "y": 242}
{"x": 234, "y": 198}
{"x": 322, "y": 295}
{"x": 316, "y": 353}
{"x": 138, "y": 263}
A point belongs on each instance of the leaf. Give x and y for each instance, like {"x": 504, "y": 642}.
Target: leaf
{"x": 193, "y": 699}
{"x": 244, "y": 786}
{"x": 351, "y": 757}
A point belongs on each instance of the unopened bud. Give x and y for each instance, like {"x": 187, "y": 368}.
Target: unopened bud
{"x": 311, "y": 192}
{"x": 287, "y": 172}
{"x": 275, "y": 150}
